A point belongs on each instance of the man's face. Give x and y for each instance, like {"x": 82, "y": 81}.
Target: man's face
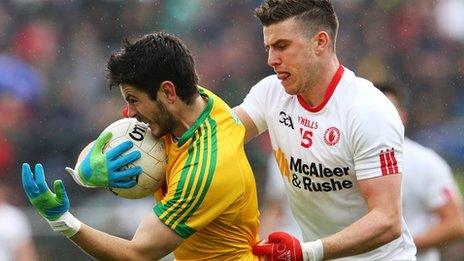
{"x": 291, "y": 55}
{"x": 153, "y": 112}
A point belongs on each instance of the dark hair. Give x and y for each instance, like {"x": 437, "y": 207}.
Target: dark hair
{"x": 314, "y": 15}
{"x": 151, "y": 60}
{"x": 394, "y": 89}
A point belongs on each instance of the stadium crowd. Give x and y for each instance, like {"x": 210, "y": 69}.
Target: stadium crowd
{"x": 53, "y": 98}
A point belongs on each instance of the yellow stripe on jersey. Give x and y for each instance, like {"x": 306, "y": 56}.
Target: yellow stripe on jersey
{"x": 210, "y": 199}
{"x": 282, "y": 163}
{"x": 195, "y": 178}
{"x": 208, "y": 162}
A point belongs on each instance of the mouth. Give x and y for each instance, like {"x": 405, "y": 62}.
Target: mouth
{"x": 283, "y": 75}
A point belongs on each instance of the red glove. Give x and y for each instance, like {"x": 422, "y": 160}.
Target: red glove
{"x": 280, "y": 246}
{"x": 125, "y": 112}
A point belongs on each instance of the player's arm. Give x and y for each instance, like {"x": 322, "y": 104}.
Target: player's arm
{"x": 25, "y": 252}
{"x": 449, "y": 227}
{"x": 379, "y": 226}
{"x": 152, "y": 240}
{"x": 251, "y": 130}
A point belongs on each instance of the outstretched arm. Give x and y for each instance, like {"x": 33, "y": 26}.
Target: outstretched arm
{"x": 449, "y": 227}
{"x": 152, "y": 239}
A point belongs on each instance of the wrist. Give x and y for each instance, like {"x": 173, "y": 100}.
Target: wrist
{"x": 66, "y": 224}
{"x": 313, "y": 251}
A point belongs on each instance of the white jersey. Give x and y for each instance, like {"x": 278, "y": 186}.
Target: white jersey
{"x": 427, "y": 185}
{"x": 14, "y": 231}
{"x": 354, "y": 134}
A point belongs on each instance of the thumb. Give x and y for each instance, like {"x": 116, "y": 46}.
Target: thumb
{"x": 102, "y": 140}
{"x": 262, "y": 248}
{"x": 77, "y": 178}
{"x": 60, "y": 191}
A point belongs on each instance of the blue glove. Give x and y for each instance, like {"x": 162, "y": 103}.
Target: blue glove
{"x": 107, "y": 169}
{"x": 53, "y": 207}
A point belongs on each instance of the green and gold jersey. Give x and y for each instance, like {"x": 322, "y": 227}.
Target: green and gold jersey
{"x": 211, "y": 198}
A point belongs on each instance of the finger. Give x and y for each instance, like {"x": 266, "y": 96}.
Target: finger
{"x": 119, "y": 149}
{"x": 126, "y": 174}
{"x": 101, "y": 141}
{"x": 40, "y": 178}
{"x": 60, "y": 190}
{"x": 29, "y": 185}
{"x": 262, "y": 249}
{"x": 123, "y": 183}
{"x": 125, "y": 159}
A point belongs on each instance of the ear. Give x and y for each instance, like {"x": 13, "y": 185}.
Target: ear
{"x": 403, "y": 116}
{"x": 321, "y": 41}
{"x": 167, "y": 91}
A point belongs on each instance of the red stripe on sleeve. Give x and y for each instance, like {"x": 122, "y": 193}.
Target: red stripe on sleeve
{"x": 389, "y": 162}
{"x": 383, "y": 164}
{"x": 448, "y": 194}
{"x": 395, "y": 163}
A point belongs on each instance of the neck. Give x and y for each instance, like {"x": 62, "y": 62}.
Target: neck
{"x": 315, "y": 92}
{"x": 188, "y": 114}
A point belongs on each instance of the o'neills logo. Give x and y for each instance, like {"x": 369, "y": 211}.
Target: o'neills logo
{"x": 331, "y": 136}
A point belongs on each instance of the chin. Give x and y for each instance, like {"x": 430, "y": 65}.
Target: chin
{"x": 290, "y": 91}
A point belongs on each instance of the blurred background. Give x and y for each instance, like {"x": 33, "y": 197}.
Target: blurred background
{"x": 54, "y": 100}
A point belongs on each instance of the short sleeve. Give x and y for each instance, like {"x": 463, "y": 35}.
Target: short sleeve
{"x": 441, "y": 186}
{"x": 255, "y": 103}
{"x": 377, "y": 137}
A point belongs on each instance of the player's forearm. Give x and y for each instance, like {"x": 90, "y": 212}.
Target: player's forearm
{"x": 103, "y": 246}
{"x": 26, "y": 252}
{"x": 371, "y": 231}
{"x": 439, "y": 234}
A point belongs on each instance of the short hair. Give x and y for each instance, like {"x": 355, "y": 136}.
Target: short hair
{"x": 315, "y": 15}
{"x": 394, "y": 89}
{"x": 152, "y": 59}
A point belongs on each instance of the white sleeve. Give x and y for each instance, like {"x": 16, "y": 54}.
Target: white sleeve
{"x": 255, "y": 103}
{"x": 441, "y": 185}
{"x": 377, "y": 139}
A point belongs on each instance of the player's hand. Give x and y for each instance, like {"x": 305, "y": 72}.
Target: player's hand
{"x": 107, "y": 169}
{"x": 281, "y": 246}
{"x": 54, "y": 207}
{"x": 50, "y": 205}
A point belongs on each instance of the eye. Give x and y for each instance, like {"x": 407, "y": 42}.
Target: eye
{"x": 281, "y": 46}
{"x": 131, "y": 101}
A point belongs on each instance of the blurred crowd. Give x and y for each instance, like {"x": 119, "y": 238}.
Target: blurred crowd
{"x": 54, "y": 99}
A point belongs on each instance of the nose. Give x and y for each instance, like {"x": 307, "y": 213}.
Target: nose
{"x": 273, "y": 58}
{"x": 131, "y": 111}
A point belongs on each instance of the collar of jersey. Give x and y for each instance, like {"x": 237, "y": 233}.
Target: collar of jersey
{"x": 330, "y": 90}
{"x": 189, "y": 133}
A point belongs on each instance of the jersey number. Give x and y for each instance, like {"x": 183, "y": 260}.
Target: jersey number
{"x": 306, "y": 138}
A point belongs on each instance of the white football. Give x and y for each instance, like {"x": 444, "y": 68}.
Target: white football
{"x": 153, "y": 159}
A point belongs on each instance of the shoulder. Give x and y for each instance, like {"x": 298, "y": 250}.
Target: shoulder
{"x": 363, "y": 94}
{"x": 13, "y": 215}
{"x": 425, "y": 158}
{"x": 360, "y": 99}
